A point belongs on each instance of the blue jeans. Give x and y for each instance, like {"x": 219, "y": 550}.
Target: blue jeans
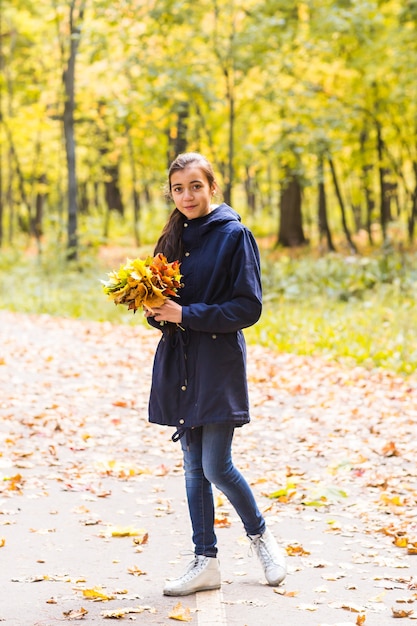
{"x": 207, "y": 461}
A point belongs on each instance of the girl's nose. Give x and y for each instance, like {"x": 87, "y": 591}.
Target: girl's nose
{"x": 188, "y": 193}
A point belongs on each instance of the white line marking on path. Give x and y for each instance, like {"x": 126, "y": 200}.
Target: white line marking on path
{"x": 210, "y": 608}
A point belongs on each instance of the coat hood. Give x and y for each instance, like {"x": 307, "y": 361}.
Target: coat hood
{"x": 222, "y": 214}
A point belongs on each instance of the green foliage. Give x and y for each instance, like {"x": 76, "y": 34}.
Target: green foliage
{"x": 294, "y": 79}
{"x": 51, "y": 286}
{"x": 378, "y": 333}
{"x": 360, "y": 311}
{"x": 339, "y": 278}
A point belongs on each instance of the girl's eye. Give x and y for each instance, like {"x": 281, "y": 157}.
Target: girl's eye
{"x": 176, "y": 189}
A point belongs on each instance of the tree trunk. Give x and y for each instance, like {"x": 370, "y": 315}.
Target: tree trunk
{"x": 291, "y": 223}
{"x": 107, "y": 217}
{"x": 72, "y": 235}
{"x": 20, "y": 179}
{"x": 367, "y": 189}
{"x": 177, "y": 136}
{"x": 342, "y": 206}
{"x": 230, "y": 156}
{"x": 250, "y": 184}
{"x": 136, "y": 197}
{"x": 413, "y": 217}
{"x": 226, "y": 58}
{"x": 39, "y": 207}
{"x": 1, "y": 143}
{"x": 413, "y": 213}
{"x": 270, "y": 193}
{"x": 10, "y": 200}
{"x": 369, "y": 200}
{"x": 96, "y": 194}
{"x": 83, "y": 198}
{"x": 70, "y": 148}
{"x": 112, "y": 193}
{"x": 182, "y": 127}
{"x": 228, "y": 169}
{"x": 384, "y": 189}
{"x": 324, "y": 229}
{"x": 1, "y": 183}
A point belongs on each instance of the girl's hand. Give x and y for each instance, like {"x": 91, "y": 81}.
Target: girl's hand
{"x": 170, "y": 311}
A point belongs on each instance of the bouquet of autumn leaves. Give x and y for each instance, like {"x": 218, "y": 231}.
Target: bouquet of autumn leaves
{"x": 143, "y": 282}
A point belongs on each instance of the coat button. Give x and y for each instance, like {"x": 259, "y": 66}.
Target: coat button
{"x": 181, "y": 421}
{"x": 185, "y": 225}
{"x": 183, "y": 388}
{"x": 187, "y": 254}
{"x": 214, "y": 336}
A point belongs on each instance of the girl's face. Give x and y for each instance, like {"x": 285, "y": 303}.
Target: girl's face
{"x": 191, "y": 191}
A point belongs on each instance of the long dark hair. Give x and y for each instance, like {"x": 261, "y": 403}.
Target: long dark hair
{"x": 170, "y": 241}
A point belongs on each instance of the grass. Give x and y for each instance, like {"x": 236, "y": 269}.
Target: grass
{"x": 370, "y": 333}
{"x": 358, "y": 310}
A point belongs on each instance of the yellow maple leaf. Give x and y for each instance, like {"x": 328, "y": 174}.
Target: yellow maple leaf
{"x": 296, "y": 551}
{"x": 125, "y": 531}
{"x": 15, "y": 482}
{"x": 96, "y": 593}
{"x": 400, "y": 541}
{"x": 143, "y": 282}
{"x": 391, "y": 500}
{"x": 180, "y": 613}
{"x": 135, "y": 571}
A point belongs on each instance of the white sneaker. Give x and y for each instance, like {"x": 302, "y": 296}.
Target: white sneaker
{"x": 202, "y": 574}
{"x": 271, "y": 557}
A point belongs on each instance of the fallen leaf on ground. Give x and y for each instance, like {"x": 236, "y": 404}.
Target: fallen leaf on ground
{"x": 97, "y": 594}
{"x": 75, "y": 613}
{"x": 117, "y": 613}
{"x": 222, "y": 521}
{"x": 180, "y": 613}
{"x": 401, "y": 612}
{"x": 141, "y": 539}
{"x": 135, "y": 571}
{"x": 285, "y": 593}
{"x": 127, "y": 531}
{"x": 293, "y": 550}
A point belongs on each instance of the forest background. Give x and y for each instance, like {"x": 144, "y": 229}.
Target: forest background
{"x": 308, "y": 111}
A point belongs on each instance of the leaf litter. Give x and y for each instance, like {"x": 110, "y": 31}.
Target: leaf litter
{"x": 348, "y": 469}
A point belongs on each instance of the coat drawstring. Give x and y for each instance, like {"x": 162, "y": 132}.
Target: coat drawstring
{"x": 180, "y": 432}
{"x": 180, "y": 339}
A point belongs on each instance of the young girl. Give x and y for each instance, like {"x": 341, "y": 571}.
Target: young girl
{"x": 199, "y": 382}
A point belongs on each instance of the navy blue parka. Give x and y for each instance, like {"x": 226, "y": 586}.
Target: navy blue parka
{"x": 199, "y": 372}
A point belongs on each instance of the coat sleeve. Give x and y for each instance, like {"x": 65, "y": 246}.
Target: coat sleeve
{"x": 242, "y": 306}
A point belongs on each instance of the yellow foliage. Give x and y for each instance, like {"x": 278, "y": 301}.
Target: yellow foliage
{"x": 143, "y": 282}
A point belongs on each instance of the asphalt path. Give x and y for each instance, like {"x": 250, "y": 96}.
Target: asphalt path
{"x": 93, "y": 516}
